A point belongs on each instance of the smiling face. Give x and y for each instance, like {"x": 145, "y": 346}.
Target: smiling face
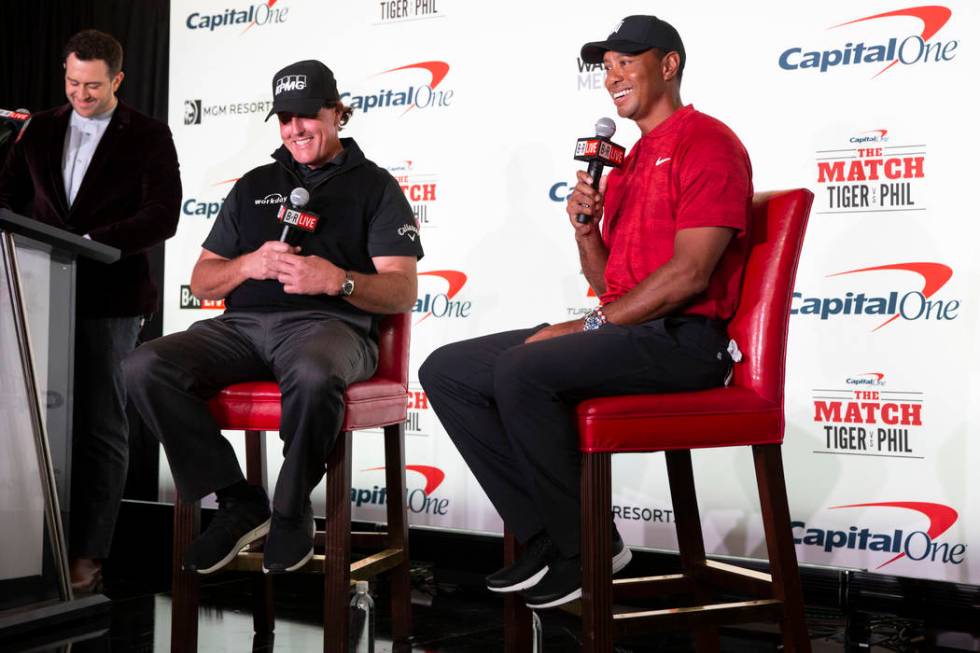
{"x": 312, "y": 140}
{"x": 643, "y": 86}
{"x": 89, "y": 87}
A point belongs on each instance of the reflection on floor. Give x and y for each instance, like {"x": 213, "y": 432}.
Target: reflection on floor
{"x": 448, "y": 618}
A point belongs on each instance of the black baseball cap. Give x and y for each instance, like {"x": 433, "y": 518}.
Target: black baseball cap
{"x": 303, "y": 87}
{"x": 636, "y": 34}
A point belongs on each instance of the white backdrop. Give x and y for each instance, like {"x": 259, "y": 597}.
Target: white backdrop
{"x": 868, "y": 104}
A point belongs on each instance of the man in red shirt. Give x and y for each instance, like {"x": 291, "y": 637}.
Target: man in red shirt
{"x": 667, "y": 265}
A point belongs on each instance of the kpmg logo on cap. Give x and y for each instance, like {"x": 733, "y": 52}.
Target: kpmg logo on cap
{"x": 905, "y": 49}
{"x": 260, "y": 14}
{"x": 290, "y": 83}
{"x": 909, "y": 305}
{"x": 409, "y": 92}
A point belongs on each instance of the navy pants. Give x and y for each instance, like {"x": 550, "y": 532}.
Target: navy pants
{"x": 312, "y": 355}
{"x": 509, "y": 406}
{"x": 100, "y": 432}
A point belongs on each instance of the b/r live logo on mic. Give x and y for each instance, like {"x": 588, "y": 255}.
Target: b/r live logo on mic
{"x": 188, "y": 300}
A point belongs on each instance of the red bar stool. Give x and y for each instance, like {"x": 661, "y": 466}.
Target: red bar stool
{"x": 749, "y": 412}
{"x": 381, "y": 401}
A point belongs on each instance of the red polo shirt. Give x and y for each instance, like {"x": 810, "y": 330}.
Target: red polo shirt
{"x": 690, "y": 171}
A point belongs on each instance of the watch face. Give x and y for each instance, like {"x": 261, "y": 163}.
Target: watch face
{"x": 592, "y": 322}
{"x": 348, "y": 287}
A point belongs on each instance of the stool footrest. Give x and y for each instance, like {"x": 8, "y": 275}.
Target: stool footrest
{"x": 712, "y": 614}
{"x": 648, "y": 586}
{"x": 360, "y": 570}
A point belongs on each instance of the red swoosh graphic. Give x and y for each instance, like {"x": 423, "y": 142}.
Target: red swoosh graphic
{"x": 226, "y": 181}
{"x": 935, "y": 276}
{"x": 880, "y": 132}
{"x": 436, "y": 69}
{"x": 940, "y": 517}
{"x": 877, "y": 375}
{"x": 933, "y": 18}
{"x": 433, "y": 475}
{"x": 454, "y": 278}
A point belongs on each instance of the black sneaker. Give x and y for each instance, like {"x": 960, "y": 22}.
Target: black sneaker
{"x": 526, "y": 571}
{"x": 563, "y": 582}
{"x": 236, "y": 524}
{"x": 289, "y": 545}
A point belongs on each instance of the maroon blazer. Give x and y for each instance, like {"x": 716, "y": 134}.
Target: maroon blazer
{"x": 129, "y": 198}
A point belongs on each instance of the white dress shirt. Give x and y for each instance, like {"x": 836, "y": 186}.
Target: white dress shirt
{"x": 81, "y": 139}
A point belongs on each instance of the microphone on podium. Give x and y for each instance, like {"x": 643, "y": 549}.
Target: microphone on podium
{"x": 292, "y": 217}
{"x": 599, "y": 152}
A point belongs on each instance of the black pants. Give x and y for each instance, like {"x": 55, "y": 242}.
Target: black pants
{"x": 313, "y": 356}
{"x": 100, "y": 432}
{"x": 509, "y": 407}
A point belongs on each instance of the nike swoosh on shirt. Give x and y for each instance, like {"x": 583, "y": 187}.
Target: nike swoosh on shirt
{"x": 661, "y": 161}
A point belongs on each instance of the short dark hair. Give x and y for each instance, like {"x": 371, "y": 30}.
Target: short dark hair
{"x": 92, "y": 44}
{"x": 345, "y": 111}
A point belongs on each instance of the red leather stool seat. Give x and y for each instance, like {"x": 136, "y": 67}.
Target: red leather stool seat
{"x": 720, "y": 417}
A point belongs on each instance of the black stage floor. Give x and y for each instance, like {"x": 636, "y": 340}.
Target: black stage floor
{"x": 454, "y": 613}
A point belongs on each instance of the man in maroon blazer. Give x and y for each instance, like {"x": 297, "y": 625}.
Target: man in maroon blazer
{"x": 100, "y": 169}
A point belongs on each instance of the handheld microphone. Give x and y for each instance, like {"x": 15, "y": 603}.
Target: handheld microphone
{"x": 599, "y": 151}
{"x": 292, "y": 217}
{"x": 12, "y": 124}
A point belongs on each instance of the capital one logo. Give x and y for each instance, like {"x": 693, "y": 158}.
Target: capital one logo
{"x": 290, "y": 83}
{"x": 438, "y": 300}
{"x": 910, "y": 303}
{"x": 916, "y": 545}
{"x": 916, "y": 48}
{"x": 417, "y": 500}
{"x": 259, "y": 14}
{"x": 417, "y": 86}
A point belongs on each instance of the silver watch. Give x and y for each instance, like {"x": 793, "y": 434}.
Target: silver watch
{"x": 347, "y": 289}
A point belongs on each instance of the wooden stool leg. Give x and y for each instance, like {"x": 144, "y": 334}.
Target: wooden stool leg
{"x": 779, "y": 540}
{"x": 263, "y": 603}
{"x": 690, "y": 540}
{"x": 596, "y": 488}
{"x": 184, "y": 585}
{"x": 336, "y": 576}
{"x": 517, "y": 616}
{"x": 401, "y": 585}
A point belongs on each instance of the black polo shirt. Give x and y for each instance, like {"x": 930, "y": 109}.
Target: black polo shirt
{"x": 363, "y": 214}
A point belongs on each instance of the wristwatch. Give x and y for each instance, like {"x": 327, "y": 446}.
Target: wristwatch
{"x": 347, "y": 289}
{"x": 594, "y": 319}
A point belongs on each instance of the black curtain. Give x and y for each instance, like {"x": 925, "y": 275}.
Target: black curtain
{"x": 32, "y": 35}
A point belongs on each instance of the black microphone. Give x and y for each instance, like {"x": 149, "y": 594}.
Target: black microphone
{"x": 599, "y": 152}
{"x": 12, "y": 124}
{"x": 292, "y": 217}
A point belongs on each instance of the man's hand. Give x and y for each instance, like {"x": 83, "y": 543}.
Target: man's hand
{"x": 308, "y": 275}
{"x": 556, "y": 330}
{"x": 587, "y": 201}
{"x": 262, "y": 263}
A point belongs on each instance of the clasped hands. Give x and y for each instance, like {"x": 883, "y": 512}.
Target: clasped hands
{"x": 299, "y": 275}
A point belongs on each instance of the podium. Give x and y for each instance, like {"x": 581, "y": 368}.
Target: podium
{"x": 37, "y": 331}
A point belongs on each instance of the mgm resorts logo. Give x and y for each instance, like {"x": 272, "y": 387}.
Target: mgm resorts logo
{"x": 196, "y": 110}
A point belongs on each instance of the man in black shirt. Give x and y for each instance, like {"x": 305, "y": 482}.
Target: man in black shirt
{"x": 302, "y": 312}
